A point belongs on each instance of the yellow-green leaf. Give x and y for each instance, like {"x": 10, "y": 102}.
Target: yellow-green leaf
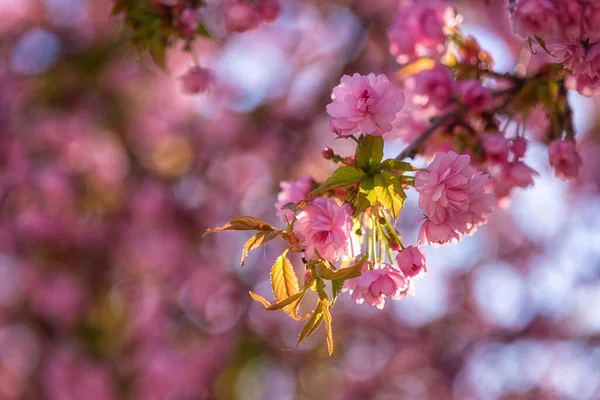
{"x": 353, "y": 271}
{"x": 289, "y": 305}
{"x": 243, "y": 223}
{"x": 260, "y": 299}
{"x": 283, "y": 278}
{"x": 312, "y": 324}
{"x": 389, "y": 192}
{"x": 257, "y": 241}
{"x": 394, "y": 165}
{"x": 341, "y": 177}
{"x": 369, "y": 153}
{"x": 328, "y": 329}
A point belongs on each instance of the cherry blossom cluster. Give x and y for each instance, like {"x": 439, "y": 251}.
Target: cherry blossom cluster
{"x": 569, "y": 31}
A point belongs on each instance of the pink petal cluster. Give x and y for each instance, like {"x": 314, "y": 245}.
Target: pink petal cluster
{"x": 514, "y": 174}
{"x": 475, "y": 96}
{"x": 378, "y": 284}
{"x": 454, "y": 198}
{"x": 496, "y": 147}
{"x": 419, "y": 30}
{"x": 434, "y": 87}
{"x": 570, "y": 30}
{"x": 292, "y": 192}
{"x": 411, "y": 262}
{"x": 324, "y": 228}
{"x": 564, "y": 159}
{"x": 189, "y": 20}
{"x": 241, "y": 16}
{"x": 196, "y": 80}
{"x": 365, "y": 104}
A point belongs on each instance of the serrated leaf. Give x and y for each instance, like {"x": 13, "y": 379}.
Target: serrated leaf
{"x": 257, "y": 241}
{"x": 394, "y": 165}
{"x": 283, "y": 278}
{"x": 336, "y": 288}
{"x": 369, "y": 153}
{"x": 361, "y": 204}
{"x": 341, "y": 177}
{"x": 328, "y": 328}
{"x": 260, "y": 299}
{"x": 312, "y": 324}
{"x": 243, "y": 223}
{"x": 321, "y": 289}
{"x": 389, "y": 192}
{"x": 351, "y": 272}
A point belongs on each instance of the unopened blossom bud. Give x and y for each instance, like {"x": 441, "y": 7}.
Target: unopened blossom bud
{"x": 196, "y": 80}
{"x": 268, "y": 10}
{"x": 395, "y": 245}
{"x": 327, "y": 153}
{"x": 240, "y": 17}
{"x": 411, "y": 262}
{"x": 519, "y": 146}
{"x": 564, "y": 159}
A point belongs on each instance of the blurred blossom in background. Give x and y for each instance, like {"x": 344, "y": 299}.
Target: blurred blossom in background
{"x": 109, "y": 174}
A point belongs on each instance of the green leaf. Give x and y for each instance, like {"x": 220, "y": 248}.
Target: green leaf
{"x": 336, "y": 289}
{"x": 341, "y": 177}
{"x": 289, "y": 305}
{"x": 312, "y": 324}
{"x": 157, "y": 50}
{"x": 394, "y": 165}
{"x": 389, "y": 192}
{"x": 321, "y": 289}
{"x": 283, "y": 278}
{"x": 342, "y": 274}
{"x": 543, "y": 45}
{"x": 328, "y": 329}
{"x": 369, "y": 153}
{"x": 257, "y": 241}
{"x": 361, "y": 204}
{"x": 243, "y": 223}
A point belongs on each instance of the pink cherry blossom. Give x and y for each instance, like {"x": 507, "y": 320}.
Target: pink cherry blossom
{"x": 475, "y": 96}
{"x": 514, "y": 174}
{"x": 481, "y": 204}
{"x": 437, "y": 233}
{"x": 564, "y": 159}
{"x": 189, "y": 21}
{"x": 496, "y": 147}
{"x": 197, "y": 80}
{"x": 292, "y": 192}
{"x": 434, "y": 87}
{"x": 411, "y": 262}
{"x": 419, "y": 30}
{"x": 375, "y": 285}
{"x": 443, "y": 186}
{"x": 519, "y": 147}
{"x": 324, "y": 229}
{"x": 268, "y": 10}
{"x": 365, "y": 104}
{"x": 240, "y": 17}
{"x": 549, "y": 19}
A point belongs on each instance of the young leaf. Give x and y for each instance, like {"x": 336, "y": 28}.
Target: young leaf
{"x": 283, "y": 304}
{"x": 369, "y": 153}
{"x": 257, "y": 241}
{"x": 343, "y": 176}
{"x": 336, "y": 289}
{"x": 328, "y": 330}
{"x": 543, "y": 45}
{"x": 260, "y": 299}
{"x": 312, "y": 324}
{"x": 342, "y": 274}
{"x": 389, "y": 192}
{"x": 243, "y": 223}
{"x": 157, "y": 50}
{"x": 394, "y": 165}
{"x": 283, "y": 278}
{"x": 361, "y": 204}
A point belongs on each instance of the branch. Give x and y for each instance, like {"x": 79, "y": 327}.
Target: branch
{"x": 411, "y": 149}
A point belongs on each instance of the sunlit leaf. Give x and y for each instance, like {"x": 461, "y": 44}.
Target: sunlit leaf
{"x": 336, "y": 288}
{"x": 389, "y": 192}
{"x": 257, "y": 241}
{"x": 328, "y": 322}
{"x": 369, "y": 153}
{"x": 422, "y": 64}
{"x": 260, "y": 299}
{"x": 341, "y": 177}
{"x": 283, "y": 278}
{"x": 312, "y": 324}
{"x": 243, "y": 223}
{"x": 342, "y": 274}
{"x": 394, "y": 165}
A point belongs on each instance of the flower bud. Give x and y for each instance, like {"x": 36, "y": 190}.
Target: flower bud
{"x": 519, "y": 146}
{"x": 327, "y": 153}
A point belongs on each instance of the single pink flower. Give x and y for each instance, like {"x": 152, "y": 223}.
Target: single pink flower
{"x": 268, "y": 10}
{"x": 519, "y": 147}
{"x": 549, "y": 19}
{"x": 591, "y": 21}
{"x": 564, "y": 159}
{"x": 292, "y": 192}
{"x": 197, "y": 80}
{"x": 514, "y": 174}
{"x": 411, "y": 262}
{"x": 434, "y": 87}
{"x": 443, "y": 186}
{"x": 375, "y": 285}
{"x": 437, "y": 233}
{"x": 240, "y": 17}
{"x": 475, "y": 96}
{"x": 419, "y": 30}
{"x": 496, "y": 147}
{"x": 324, "y": 229}
{"x": 365, "y": 104}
